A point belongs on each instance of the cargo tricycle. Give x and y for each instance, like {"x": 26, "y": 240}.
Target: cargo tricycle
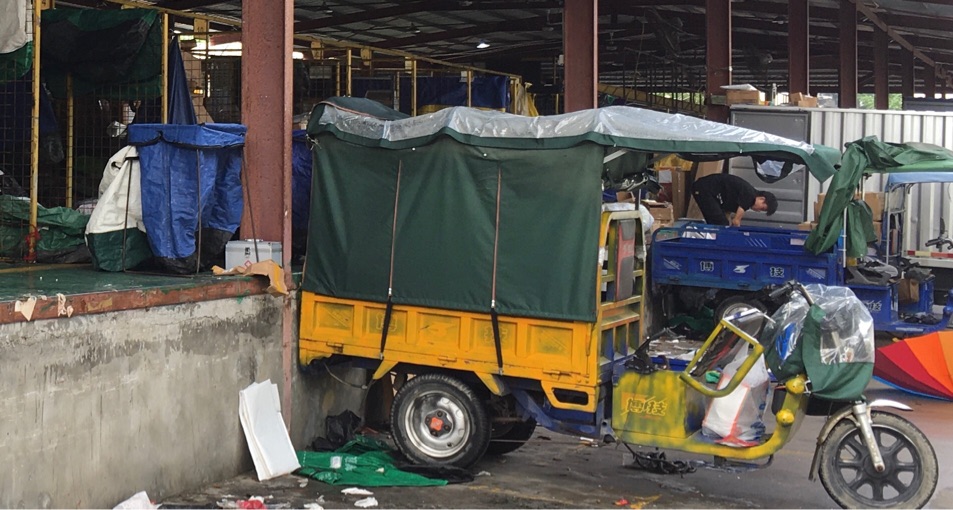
{"x": 467, "y": 256}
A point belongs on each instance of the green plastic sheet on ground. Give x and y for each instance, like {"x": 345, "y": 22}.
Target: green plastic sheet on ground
{"x": 61, "y": 229}
{"x": 364, "y": 462}
{"x": 867, "y": 155}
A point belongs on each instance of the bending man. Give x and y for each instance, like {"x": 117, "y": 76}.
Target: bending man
{"x": 720, "y": 194}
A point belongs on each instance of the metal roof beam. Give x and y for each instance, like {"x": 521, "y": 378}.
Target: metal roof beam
{"x": 338, "y": 20}
{"x": 536, "y": 23}
{"x": 184, "y": 5}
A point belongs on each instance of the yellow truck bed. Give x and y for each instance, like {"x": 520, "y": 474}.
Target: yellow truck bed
{"x": 564, "y": 356}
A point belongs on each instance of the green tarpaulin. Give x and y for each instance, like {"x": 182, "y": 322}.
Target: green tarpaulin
{"x": 112, "y": 54}
{"x": 442, "y": 209}
{"x": 14, "y": 65}
{"x": 61, "y": 229}
{"x": 867, "y": 155}
{"x": 363, "y": 462}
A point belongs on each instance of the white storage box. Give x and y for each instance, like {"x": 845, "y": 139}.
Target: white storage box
{"x": 240, "y": 253}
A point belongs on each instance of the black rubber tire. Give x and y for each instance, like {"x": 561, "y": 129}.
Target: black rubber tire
{"x": 845, "y": 461}
{"x": 737, "y": 303}
{"x": 419, "y": 400}
{"x": 515, "y": 436}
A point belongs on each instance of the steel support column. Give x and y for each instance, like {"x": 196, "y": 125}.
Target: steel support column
{"x": 929, "y": 82}
{"x": 847, "y": 65}
{"x": 907, "y": 77}
{"x": 266, "y": 111}
{"x": 881, "y": 70}
{"x": 580, "y": 44}
{"x": 798, "y": 47}
{"x": 717, "y": 54}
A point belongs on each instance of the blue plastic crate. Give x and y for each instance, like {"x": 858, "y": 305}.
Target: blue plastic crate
{"x": 675, "y": 365}
{"x": 746, "y": 258}
{"x": 880, "y": 300}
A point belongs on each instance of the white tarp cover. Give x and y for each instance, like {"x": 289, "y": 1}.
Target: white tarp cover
{"x": 619, "y": 121}
{"x": 120, "y": 178}
{"x": 12, "y": 25}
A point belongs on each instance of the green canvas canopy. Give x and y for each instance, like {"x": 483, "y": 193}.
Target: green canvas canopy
{"x": 868, "y": 155}
{"x": 468, "y": 209}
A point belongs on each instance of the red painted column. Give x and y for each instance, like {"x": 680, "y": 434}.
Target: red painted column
{"x": 580, "y": 57}
{"x": 717, "y": 54}
{"x": 929, "y": 82}
{"x": 266, "y": 111}
{"x": 798, "y": 48}
{"x": 847, "y": 62}
{"x": 881, "y": 70}
{"x": 906, "y": 73}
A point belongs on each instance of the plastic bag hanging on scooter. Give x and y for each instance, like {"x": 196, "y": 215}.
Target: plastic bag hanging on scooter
{"x": 736, "y": 419}
{"x": 831, "y": 342}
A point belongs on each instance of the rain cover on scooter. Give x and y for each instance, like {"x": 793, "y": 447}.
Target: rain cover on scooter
{"x": 832, "y": 342}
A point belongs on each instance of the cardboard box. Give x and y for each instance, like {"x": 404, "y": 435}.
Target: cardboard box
{"x": 908, "y": 291}
{"x": 878, "y": 229}
{"x": 744, "y": 97}
{"x": 625, "y": 196}
{"x": 661, "y": 211}
{"x": 802, "y": 100}
{"x": 806, "y": 225}
{"x": 818, "y": 205}
{"x": 678, "y": 190}
{"x": 876, "y": 202}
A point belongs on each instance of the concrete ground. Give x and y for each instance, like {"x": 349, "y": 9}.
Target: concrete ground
{"x": 554, "y": 471}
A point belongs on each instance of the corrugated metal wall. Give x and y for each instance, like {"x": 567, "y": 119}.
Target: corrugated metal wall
{"x": 927, "y": 203}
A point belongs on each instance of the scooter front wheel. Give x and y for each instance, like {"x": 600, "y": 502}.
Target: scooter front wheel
{"x": 910, "y": 474}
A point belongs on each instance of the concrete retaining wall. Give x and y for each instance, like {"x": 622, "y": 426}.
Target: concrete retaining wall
{"x": 95, "y": 408}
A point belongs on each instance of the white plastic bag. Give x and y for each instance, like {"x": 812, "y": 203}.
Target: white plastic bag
{"x": 736, "y": 418}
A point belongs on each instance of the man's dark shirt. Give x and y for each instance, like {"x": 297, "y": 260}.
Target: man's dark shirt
{"x": 732, "y": 191}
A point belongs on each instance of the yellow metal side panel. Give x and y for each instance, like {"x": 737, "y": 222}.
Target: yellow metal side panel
{"x": 555, "y": 353}
{"x": 373, "y": 324}
{"x": 555, "y": 349}
{"x": 483, "y": 347}
{"x": 437, "y": 330}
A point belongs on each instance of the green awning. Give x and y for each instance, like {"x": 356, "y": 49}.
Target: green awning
{"x": 464, "y": 208}
{"x": 868, "y": 155}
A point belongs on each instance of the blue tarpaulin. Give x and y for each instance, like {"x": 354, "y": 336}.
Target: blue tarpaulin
{"x": 440, "y": 92}
{"x": 300, "y": 179}
{"x": 191, "y": 178}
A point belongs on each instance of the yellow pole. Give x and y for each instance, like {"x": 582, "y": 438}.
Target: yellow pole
{"x": 165, "y": 68}
{"x": 469, "y": 87}
{"x": 70, "y": 141}
{"x": 35, "y": 134}
{"x": 347, "y": 85}
{"x": 337, "y": 81}
{"x": 397, "y": 88}
{"x": 413, "y": 87}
